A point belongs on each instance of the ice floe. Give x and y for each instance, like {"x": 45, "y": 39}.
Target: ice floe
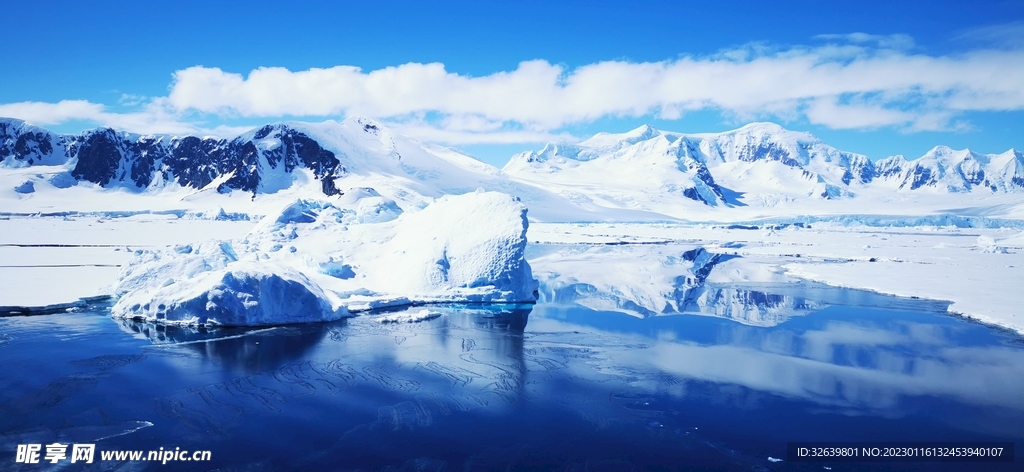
{"x": 409, "y": 317}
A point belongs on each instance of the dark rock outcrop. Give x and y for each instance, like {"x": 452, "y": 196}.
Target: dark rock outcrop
{"x": 110, "y": 158}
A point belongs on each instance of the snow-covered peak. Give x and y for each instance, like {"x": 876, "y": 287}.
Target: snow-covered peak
{"x": 761, "y": 128}
{"x": 23, "y": 144}
{"x": 616, "y": 140}
{"x": 943, "y": 169}
{"x": 767, "y": 142}
{"x": 661, "y": 158}
{"x": 16, "y": 124}
{"x": 764, "y": 162}
{"x": 1009, "y": 157}
{"x": 948, "y": 156}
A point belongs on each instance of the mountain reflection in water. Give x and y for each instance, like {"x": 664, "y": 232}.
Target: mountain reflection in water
{"x": 673, "y": 279}
{"x": 554, "y": 385}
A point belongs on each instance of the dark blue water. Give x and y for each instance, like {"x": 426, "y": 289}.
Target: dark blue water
{"x": 555, "y": 386}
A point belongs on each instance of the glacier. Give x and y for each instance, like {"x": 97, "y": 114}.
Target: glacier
{"x": 314, "y": 260}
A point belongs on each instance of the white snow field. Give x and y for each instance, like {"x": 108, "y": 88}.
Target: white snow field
{"x": 50, "y": 263}
{"x": 946, "y": 226}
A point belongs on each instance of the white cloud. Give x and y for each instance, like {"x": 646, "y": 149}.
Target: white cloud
{"x": 543, "y": 96}
{"x": 851, "y": 81}
{"x": 152, "y": 118}
{"x": 423, "y": 130}
{"x": 830, "y": 112}
{"x": 42, "y": 113}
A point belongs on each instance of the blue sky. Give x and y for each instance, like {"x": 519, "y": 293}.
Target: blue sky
{"x": 494, "y": 78}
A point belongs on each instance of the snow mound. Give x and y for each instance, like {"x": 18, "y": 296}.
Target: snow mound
{"x": 988, "y": 244}
{"x": 315, "y": 260}
{"x": 370, "y": 206}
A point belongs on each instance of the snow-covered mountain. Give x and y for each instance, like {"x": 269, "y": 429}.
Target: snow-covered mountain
{"x": 269, "y": 165}
{"x": 759, "y": 164}
{"x": 615, "y": 166}
{"x": 756, "y": 171}
{"x": 252, "y": 162}
{"x": 946, "y": 169}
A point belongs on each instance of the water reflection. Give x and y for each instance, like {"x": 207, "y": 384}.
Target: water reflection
{"x": 244, "y": 349}
{"x": 673, "y": 279}
{"x": 869, "y": 361}
{"x": 468, "y": 345}
{"x": 556, "y": 385}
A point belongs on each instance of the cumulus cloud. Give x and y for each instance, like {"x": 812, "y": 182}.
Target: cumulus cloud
{"x": 42, "y": 113}
{"x": 830, "y": 112}
{"x": 882, "y": 86}
{"x": 438, "y": 132}
{"x": 846, "y": 81}
{"x": 152, "y": 117}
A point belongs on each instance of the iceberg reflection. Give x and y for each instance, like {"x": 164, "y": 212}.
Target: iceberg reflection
{"x": 245, "y": 349}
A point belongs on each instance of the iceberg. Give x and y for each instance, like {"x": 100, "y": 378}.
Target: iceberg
{"x": 318, "y": 260}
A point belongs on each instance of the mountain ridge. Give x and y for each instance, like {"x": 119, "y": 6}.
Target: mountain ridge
{"x": 108, "y": 157}
{"x": 728, "y": 161}
{"x": 638, "y": 175}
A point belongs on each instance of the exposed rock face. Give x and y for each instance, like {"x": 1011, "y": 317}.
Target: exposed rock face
{"x": 110, "y": 158}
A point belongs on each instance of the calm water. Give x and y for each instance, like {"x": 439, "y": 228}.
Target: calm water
{"x": 556, "y": 386}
